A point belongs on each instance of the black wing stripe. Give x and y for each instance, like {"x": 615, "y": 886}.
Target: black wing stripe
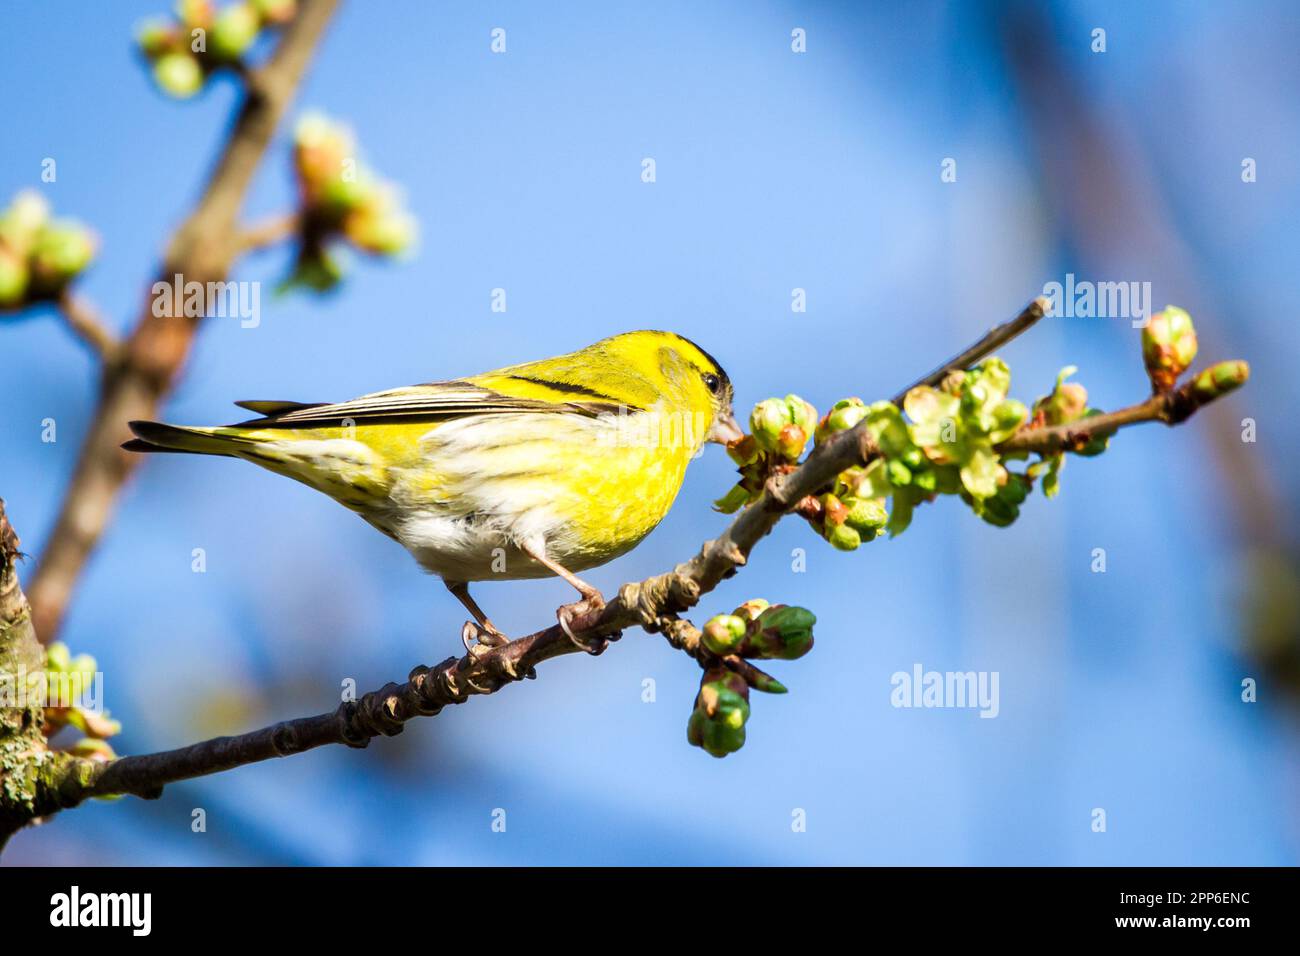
{"x": 572, "y": 388}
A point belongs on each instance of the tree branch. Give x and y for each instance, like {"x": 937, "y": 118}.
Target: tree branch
{"x": 84, "y": 320}
{"x": 1172, "y": 408}
{"x": 268, "y": 232}
{"x": 147, "y": 365}
{"x": 989, "y": 344}
{"x": 654, "y": 604}
{"x": 26, "y": 782}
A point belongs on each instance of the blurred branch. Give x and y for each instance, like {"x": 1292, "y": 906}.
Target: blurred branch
{"x": 148, "y": 364}
{"x": 84, "y": 319}
{"x": 1102, "y": 185}
{"x": 268, "y": 232}
{"x": 654, "y": 604}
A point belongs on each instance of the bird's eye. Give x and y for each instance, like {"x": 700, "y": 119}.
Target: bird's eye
{"x": 712, "y": 382}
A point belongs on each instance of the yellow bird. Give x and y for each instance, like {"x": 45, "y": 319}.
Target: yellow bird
{"x": 551, "y": 467}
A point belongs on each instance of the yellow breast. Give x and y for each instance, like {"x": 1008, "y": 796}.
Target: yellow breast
{"x": 617, "y": 497}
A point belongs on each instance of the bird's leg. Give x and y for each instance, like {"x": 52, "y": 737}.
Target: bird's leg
{"x": 592, "y": 600}
{"x": 486, "y": 632}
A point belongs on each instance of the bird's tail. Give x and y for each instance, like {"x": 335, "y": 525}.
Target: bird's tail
{"x": 156, "y": 436}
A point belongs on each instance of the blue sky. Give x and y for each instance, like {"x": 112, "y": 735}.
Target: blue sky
{"x": 775, "y": 170}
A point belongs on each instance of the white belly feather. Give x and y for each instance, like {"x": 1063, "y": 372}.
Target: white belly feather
{"x": 501, "y": 484}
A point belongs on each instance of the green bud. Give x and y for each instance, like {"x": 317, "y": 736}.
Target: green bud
{"x": 26, "y": 214}
{"x": 83, "y": 664}
{"x": 317, "y": 129}
{"x": 886, "y": 424}
{"x": 834, "y": 511}
{"x": 766, "y": 421}
{"x": 178, "y": 75}
{"x": 13, "y": 279}
{"x": 57, "y": 657}
{"x": 995, "y": 372}
{"x": 1168, "y": 346}
{"x": 785, "y": 633}
{"x": 899, "y": 474}
{"x": 723, "y": 633}
{"x": 321, "y": 149}
{"x": 234, "y": 32}
{"x": 997, "y": 511}
{"x": 1008, "y": 416}
{"x": 1015, "y": 490}
{"x": 716, "y": 738}
{"x": 1070, "y": 402}
{"x": 695, "y": 729}
{"x": 790, "y": 442}
{"x": 194, "y": 13}
{"x": 387, "y": 234}
{"x": 275, "y": 11}
{"x": 1098, "y": 444}
{"x": 156, "y": 37}
{"x": 842, "y": 537}
{"x": 867, "y": 516}
{"x": 729, "y": 708}
{"x": 1067, "y": 403}
{"x": 751, "y": 609}
{"x": 60, "y": 253}
{"x": 717, "y": 723}
{"x": 801, "y": 413}
{"x": 338, "y": 196}
{"x": 982, "y": 390}
{"x": 1220, "y": 379}
{"x": 844, "y": 414}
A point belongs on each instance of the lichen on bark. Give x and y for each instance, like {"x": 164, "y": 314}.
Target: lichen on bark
{"x": 27, "y": 768}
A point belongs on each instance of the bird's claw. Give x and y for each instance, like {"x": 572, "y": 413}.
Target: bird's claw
{"x": 590, "y": 604}
{"x": 479, "y": 640}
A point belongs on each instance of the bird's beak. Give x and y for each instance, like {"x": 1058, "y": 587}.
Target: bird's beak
{"x": 725, "y": 429}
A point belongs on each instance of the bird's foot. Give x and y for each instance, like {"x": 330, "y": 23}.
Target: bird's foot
{"x": 592, "y": 603}
{"x": 480, "y": 638}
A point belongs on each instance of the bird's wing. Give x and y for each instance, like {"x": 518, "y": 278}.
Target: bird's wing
{"x": 263, "y": 407}
{"x": 437, "y": 401}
